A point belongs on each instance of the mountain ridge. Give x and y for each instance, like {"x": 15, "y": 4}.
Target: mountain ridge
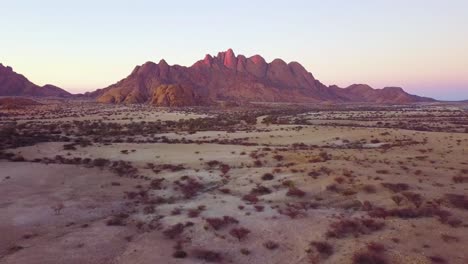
{"x": 15, "y": 84}
{"x": 227, "y": 77}
{"x": 222, "y": 77}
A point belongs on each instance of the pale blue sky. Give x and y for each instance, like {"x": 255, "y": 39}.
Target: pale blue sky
{"x": 421, "y": 45}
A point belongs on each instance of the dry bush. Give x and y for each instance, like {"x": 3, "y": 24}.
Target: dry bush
{"x": 376, "y": 247}
{"x": 397, "y": 199}
{"x": 457, "y": 200}
{"x": 117, "y": 220}
{"x": 369, "y": 188}
{"x": 323, "y": 248}
{"x": 368, "y": 257}
{"x": 415, "y": 198}
{"x": 179, "y": 254}
{"x": 156, "y": 184}
{"x": 353, "y": 227}
{"x": 271, "y": 245}
{"x": 268, "y": 177}
{"x": 239, "y": 232}
{"x": 218, "y": 223}
{"x": 437, "y": 259}
{"x": 252, "y": 198}
{"x": 409, "y": 213}
{"x": 208, "y": 255}
{"x": 174, "y": 231}
{"x": 460, "y": 179}
{"x": 190, "y": 188}
{"x": 260, "y": 190}
{"x": 294, "y": 191}
{"x": 396, "y": 187}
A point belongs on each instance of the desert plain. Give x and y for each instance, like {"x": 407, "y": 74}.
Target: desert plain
{"x": 83, "y": 182}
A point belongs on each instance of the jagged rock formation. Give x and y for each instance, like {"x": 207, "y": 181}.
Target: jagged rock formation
{"x": 227, "y": 77}
{"x": 14, "y": 84}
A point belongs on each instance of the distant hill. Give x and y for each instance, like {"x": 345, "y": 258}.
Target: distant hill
{"x": 14, "y": 84}
{"x": 227, "y": 77}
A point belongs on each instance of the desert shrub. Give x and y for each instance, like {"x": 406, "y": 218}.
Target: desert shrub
{"x": 208, "y": 255}
{"x": 409, "y": 213}
{"x": 213, "y": 163}
{"x": 70, "y": 146}
{"x": 448, "y": 238}
{"x": 382, "y": 171}
{"x": 218, "y": 223}
{"x": 291, "y": 211}
{"x": 437, "y": 259}
{"x": 258, "y": 163}
{"x": 245, "y": 251}
{"x": 324, "y": 248}
{"x": 259, "y": 208}
{"x": 348, "y": 192}
{"x": 278, "y": 157}
{"x": 225, "y": 168}
{"x": 252, "y": 198}
{"x": 99, "y": 162}
{"x": 415, "y": 198}
{"x": 239, "y": 233}
{"x": 117, "y": 220}
{"x": 225, "y": 190}
{"x": 353, "y": 227}
{"x": 332, "y": 188}
{"x": 271, "y": 245}
{"x": 15, "y": 248}
{"x": 396, "y": 187}
{"x": 340, "y": 180}
{"x": 156, "y": 184}
{"x": 268, "y": 177}
{"x": 369, "y": 188}
{"x": 260, "y": 190}
{"x": 169, "y": 167}
{"x": 174, "y": 231}
{"x": 375, "y": 247}
{"x": 457, "y": 200}
{"x": 397, "y": 199}
{"x": 367, "y": 257}
{"x": 179, "y": 254}
{"x": 460, "y": 179}
{"x": 294, "y": 191}
{"x": 192, "y": 213}
{"x": 149, "y": 209}
{"x": 190, "y": 188}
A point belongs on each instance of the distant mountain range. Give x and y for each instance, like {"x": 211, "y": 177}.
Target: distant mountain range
{"x": 14, "y": 84}
{"x": 224, "y": 77}
{"x": 228, "y": 77}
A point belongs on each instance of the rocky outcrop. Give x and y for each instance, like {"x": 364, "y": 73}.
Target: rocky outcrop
{"x": 14, "y": 84}
{"x": 227, "y": 77}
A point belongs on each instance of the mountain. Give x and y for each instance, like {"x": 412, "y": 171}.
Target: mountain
{"x": 14, "y": 84}
{"x": 227, "y": 77}
{"x": 387, "y": 95}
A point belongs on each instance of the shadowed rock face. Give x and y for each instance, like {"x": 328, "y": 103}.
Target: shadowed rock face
{"x": 228, "y": 77}
{"x": 14, "y": 84}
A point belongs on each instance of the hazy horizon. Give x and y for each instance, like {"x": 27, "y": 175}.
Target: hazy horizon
{"x": 420, "y": 46}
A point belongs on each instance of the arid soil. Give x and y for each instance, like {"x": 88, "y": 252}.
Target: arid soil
{"x": 82, "y": 182}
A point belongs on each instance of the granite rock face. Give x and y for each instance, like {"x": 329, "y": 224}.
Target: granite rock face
{"x": 227, "y": 77}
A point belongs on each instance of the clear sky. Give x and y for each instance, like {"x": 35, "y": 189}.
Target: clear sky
{"x": 420, "y": 45}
